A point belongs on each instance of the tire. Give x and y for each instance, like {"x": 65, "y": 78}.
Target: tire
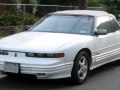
{"x": 81, "y": 68}
{"x": 118, "y": 62}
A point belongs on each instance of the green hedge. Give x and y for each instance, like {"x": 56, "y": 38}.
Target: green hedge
{"x": 8, "y": 18}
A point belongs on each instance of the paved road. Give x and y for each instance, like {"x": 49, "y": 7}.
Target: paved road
{"x": 106, "y": 77}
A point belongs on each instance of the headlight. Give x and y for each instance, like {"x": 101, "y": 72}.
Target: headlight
{"x": 45, "y": 55}
{"x": 3, "y": 52}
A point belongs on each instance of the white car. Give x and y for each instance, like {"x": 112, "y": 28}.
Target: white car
{"x": 119, "y": 23}
{"x": 63, "y": 44}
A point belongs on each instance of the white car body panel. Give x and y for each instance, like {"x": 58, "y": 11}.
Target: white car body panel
{"x": 39, "y": 42}
{"x": 56, "y": 44}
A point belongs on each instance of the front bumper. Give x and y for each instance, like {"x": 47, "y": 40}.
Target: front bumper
{"x": 31, "y": 66}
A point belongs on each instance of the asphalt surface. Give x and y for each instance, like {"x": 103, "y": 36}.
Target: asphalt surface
{"x": 106, "y": 77}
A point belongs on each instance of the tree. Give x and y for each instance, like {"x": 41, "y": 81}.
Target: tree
{"x": 112, "y": 6}
{"x": 12, "y": 1}
{"x": 82, "y": 4}
{"x": 34, "y": 7}
{"x": 94, "y": 3}
{"x": 18, "y": 7}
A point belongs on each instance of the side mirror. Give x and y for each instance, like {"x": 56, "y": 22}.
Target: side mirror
{"x": 28, "y": 27}
{"x": 101, "y": 32}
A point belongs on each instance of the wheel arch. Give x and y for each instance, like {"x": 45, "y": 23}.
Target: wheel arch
{"x": 88, "y": 52}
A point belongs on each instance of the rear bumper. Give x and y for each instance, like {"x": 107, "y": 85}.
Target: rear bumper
{"x": 44, "y": 72}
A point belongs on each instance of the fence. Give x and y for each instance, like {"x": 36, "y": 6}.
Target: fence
{"x": 35, "y": 9}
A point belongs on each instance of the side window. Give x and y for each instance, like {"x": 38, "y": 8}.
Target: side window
{"x": 104, "y": 23}
{"x": 114, "y": 25}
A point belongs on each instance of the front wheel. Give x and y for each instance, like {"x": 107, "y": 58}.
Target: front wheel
{"x": 81, "y": 68}
{"x": 118, "y": 62}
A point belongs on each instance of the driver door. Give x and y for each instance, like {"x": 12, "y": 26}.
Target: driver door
{"x": 105, "y": 45}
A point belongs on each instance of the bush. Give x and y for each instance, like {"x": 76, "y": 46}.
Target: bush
{"x": 8, "y": 18}
{"x": 17, "y": 30}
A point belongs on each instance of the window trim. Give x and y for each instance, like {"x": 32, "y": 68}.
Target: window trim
{"x": 116, "y": 23}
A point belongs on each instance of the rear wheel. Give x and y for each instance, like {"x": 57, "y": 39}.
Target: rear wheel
{"x": 81, "y": 68}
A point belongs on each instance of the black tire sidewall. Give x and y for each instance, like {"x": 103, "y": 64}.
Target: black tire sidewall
{"x": 74, "y": 74}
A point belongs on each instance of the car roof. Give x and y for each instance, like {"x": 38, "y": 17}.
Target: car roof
{"x": 82, "y": 12}
{"x": 111, "y": 15}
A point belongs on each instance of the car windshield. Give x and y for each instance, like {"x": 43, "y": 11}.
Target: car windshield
{"x": 65, "y": 24}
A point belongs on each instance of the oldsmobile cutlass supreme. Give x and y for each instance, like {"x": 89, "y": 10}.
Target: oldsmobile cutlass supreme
{"x": 63, "y": 44}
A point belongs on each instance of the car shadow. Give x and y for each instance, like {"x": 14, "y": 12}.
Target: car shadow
{"x": 31, "y": 83}
{"x": 104, "y": 68}
{"x": 28, "y": 82}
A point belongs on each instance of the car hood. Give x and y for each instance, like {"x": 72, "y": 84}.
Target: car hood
{"x": 36, "y": 41}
